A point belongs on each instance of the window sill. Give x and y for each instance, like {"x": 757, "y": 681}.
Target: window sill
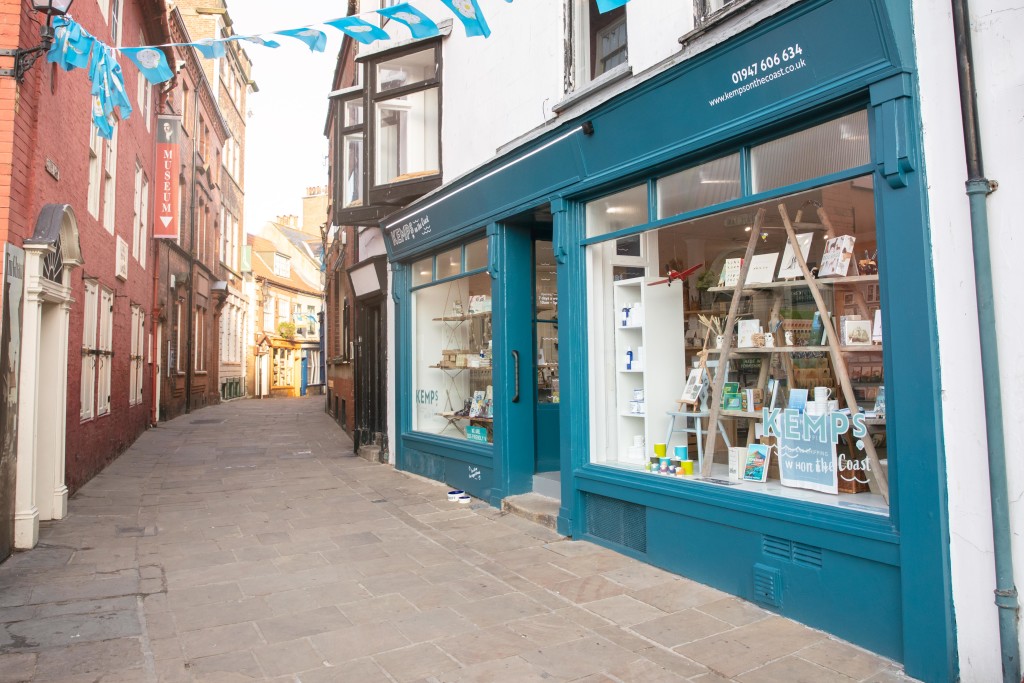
{"x": 606, "y": 79}
{"x": 719, "y": 19}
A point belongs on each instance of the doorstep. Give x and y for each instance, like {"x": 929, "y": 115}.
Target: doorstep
{"x": 534, "y": 507}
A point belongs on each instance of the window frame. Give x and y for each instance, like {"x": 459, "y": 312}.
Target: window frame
{"x": 90, "y": 350}
{"x": 399, "y": 192}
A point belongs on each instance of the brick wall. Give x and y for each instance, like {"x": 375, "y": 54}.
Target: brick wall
{"x": 52, "y": 124}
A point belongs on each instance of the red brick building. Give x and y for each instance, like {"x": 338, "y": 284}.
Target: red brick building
{"x": 192, "y": 286}
{"x": 78, "y": 207}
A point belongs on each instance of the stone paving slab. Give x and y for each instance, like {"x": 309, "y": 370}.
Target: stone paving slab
{"x": 246, "y": 542}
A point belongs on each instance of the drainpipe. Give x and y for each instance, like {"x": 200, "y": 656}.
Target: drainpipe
{"x": 978, "y": 189}
{"x": 190, "y": 316}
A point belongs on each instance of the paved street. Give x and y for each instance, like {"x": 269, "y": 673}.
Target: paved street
{"x": 246, "y": 542}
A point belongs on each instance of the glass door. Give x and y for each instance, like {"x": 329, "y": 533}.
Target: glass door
{"x": 545, "y": 327}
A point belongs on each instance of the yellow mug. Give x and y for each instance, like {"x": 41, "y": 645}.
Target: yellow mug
{"x": 660, "y": 449}
{"x": 687, "y": 467}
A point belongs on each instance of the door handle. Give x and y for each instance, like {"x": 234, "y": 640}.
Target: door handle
{"x": 515, "y": 361}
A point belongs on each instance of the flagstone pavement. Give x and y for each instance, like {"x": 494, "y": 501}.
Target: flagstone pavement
{"x": 247, "y": 542}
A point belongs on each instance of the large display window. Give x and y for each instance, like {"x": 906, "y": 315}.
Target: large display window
{"x": 743, "y": 348}
{"x": 452, "y": 344}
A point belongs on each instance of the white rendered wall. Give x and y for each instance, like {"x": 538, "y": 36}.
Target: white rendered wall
{"x": 496, "y": 89}
{"x": 1001, "y": 102}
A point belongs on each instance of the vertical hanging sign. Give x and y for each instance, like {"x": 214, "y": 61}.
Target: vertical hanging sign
{"x": 168, "y": 162}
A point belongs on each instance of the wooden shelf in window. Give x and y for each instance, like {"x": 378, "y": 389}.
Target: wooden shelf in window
{"x": 460, "y": 318}
{"x": 757, "y": 350}
{"x": 453, "y": 416}
{"x": 783, "y": 284}
{"x": 460, "y": 368}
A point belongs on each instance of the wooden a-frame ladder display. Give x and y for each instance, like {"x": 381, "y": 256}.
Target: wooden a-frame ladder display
{"x": 877, "y": 479}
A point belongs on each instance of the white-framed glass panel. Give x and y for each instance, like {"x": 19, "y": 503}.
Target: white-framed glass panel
{"x": 646, "y": 338}
{"x": 706, "y": 185}
{"x": 352, "y": 169}
{"x": 617, "y": 211}
{"x": 89, "y": 350}
{"x": 452, "y": 359}
{"x": 476, "y": 255}
{"x": 610, "y": 46}
{"x": 406, "y": 137}
{"x": 353, "y": 113}
{"x": 824, "y": 149}
{"x": 449, "y": 263}
{"x": 406, "y": 70}
{"x": 422, "y": 271}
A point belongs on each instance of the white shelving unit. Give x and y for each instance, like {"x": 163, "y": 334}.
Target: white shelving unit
{"x": 658, "y": 335}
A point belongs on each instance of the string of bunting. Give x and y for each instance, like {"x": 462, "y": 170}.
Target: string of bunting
{"x": 75, "y": 48}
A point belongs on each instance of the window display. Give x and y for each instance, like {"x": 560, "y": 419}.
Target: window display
{"x": 452, "y": 346}
{"x": 745, "y": 351}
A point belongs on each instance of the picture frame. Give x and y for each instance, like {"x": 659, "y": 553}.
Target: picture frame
{"x": 848, "y": 299}
{"x": 857, "y": 333}
{"x": 694, "y": 387}
{"x": 762, "y": 269}
{"x": 790, "y": 268}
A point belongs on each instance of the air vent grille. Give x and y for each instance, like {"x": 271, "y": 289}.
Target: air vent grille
{"x": 807, "y": 555}
{"x": 617, "y": 521}
{"x": 791, "y": 551}
{"x": 767, "y": 585}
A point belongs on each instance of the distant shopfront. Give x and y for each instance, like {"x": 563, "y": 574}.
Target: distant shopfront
{"x": 544, "y": 324}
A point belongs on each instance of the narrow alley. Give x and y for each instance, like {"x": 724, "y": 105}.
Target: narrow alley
{"x": 245, "y": 541}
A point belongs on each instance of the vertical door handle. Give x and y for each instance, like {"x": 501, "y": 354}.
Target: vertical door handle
{"x": 515, "y": 360}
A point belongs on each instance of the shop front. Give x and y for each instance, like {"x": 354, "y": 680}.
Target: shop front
{"x": 706, "y": 306}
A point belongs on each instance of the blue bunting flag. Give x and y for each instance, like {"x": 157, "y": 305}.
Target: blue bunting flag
{"x": 72, "y": 45}
{"x": 257, "y": 40}
{"x": 315, "y": 40}
{"x": 363, "y": 31}
{"x": 209, "y": 48}
{"x": 608, "y": 5}
{"x": 419, "y": 23}
{"x": 470, "y": 15}
{"x": 152, "y": 63}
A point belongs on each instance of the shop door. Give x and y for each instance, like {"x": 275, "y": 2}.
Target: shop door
{"x": 370, "y": 391}
{"x": 545, "y": 355}
{"x": 305, "y": 375}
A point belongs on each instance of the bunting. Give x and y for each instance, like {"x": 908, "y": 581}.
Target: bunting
{"x": 74, "y": 48}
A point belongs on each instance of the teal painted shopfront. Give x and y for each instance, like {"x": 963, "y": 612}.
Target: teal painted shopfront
{"x": 536, "y": 333}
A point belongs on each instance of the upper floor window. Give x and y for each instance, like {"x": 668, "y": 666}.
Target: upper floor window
{"x": 350, "y": 143}
{"x": 406, "y": 116}
{"x": 607, "y": 39}
{"x": 282, "y": 265}
{"x": 706, "y": 11}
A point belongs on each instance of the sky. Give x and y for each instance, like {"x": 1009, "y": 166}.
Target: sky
{"x": 286, "y": 151}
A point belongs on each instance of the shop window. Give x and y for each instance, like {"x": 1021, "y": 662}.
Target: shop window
{"x": 476, "y": 255}
{"x": 452, "y": 353}
{"x": 804, "y": 378}
{"x": 618, "y": 211}
{"x": 406, "y": 117}
{"x": 449, "y": 263}
{"x": 819, "y": 151}
{"x": 705, "y": 185}
{"x": 422, "y": 271}
{"x": 284, "y": 362}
